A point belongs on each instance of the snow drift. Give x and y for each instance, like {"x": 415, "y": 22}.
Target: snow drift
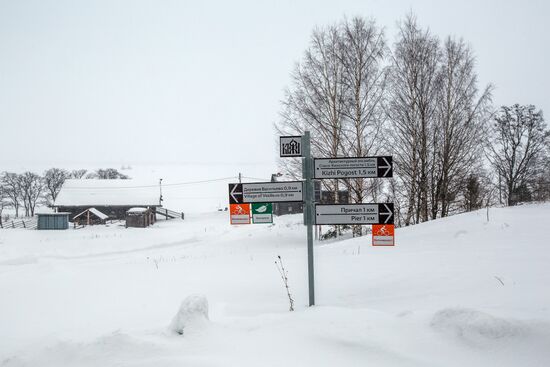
{"x": 193, "y": 313}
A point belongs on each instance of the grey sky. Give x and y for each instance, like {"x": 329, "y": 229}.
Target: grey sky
{"x": 100, "y": 81}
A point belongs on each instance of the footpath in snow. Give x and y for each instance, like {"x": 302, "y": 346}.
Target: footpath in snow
{"x": 458, "y": 291}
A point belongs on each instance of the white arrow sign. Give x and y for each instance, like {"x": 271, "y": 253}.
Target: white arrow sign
{"x": 388, "y": 167}
{"x": 354, "y": 214}
{"x": 389, "y": 213}
{"x": 360, "y": 167}
{"x": 266, "y": 192}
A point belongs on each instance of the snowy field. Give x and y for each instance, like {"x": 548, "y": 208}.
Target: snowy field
{"x": 459, "y": 291}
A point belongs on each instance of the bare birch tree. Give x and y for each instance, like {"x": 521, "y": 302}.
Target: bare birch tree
{"x": 461, "y": 114}
{"x": 412, "y": 93}
{"x": 315, "y": 100}
{"x": 363, "y": 49}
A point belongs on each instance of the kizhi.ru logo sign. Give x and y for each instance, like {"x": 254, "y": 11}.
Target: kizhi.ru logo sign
{"x": 291, "y": 146}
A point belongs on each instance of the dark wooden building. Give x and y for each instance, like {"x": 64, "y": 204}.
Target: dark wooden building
{"x": 111, "y": 197}
{"x": 90, "y": 217}
{"x": 140, "y": 217}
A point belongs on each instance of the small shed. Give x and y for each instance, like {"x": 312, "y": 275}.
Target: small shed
{"x": 90, "y": 216}
{"x": 52, "y": 221}
{"x": 140, "y": 217}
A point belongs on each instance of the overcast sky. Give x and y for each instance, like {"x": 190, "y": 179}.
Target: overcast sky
{"x": 128, "y": 82}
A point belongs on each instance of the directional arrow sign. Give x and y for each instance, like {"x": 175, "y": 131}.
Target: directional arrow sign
{"x": 235, "y": 193}
{"x": 354, "y": 214}
{"x": 364, "y": 167}
{"x": 266, "y": 192}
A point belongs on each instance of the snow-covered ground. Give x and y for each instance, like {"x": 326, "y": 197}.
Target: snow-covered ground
{"x": 459, "y": 291}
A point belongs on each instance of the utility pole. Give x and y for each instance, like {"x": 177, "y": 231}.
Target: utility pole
{"x": 239, "y": 177}
{"x": 160, "y": 189}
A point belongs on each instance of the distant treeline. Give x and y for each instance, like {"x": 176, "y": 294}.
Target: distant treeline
{"x": 26, "y": 190}
{"x": 419, "y": 100}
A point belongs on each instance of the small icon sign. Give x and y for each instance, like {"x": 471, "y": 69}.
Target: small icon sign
{"x": 291, "y": 146}
{"x": 362, "y": 167}
{"x": 383, "y": 235}
{"x": 266, "y": 192}
{"x": 262, "y": 213}
{"x": 239, "y": 213}
{"x": 335, "y": 214}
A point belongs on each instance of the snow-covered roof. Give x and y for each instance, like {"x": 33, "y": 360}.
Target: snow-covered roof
{"x": 137, "y": 210}
{"x": 92, "y": 192}
{"x": 96, "y": 212}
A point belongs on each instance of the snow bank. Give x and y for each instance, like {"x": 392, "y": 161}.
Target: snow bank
{"x": 475, "y": 327}
{"x": 192, "y": 313}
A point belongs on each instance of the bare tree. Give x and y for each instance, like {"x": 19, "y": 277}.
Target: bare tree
{"x": 32, "y": 189}
{"x": 78, "y": 173}
{"x": 541, "y": 183}
{"x": 12, "y": 188}
{"x": 515, "y": 148}
{"x": 107, "y": 174}
{"x": 316, "y": 98}
{"x": 363, "y": 49}
{"x": 411, "y": 108}
{"x": 4, "y": 201}
{"x": 459, "y": 125}
{"x": 53, "y": 180}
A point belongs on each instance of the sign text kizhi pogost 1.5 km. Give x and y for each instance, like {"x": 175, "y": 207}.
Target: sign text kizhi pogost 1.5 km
{"x": 361, "y": 167}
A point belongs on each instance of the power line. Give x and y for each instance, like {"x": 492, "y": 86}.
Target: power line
{"x": 155, "y": 186}
{"x": 256, "y": 178}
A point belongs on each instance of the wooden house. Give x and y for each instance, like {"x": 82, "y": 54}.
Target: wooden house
{"x": 110, "y": 197}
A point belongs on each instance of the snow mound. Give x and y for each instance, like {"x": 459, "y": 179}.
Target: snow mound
{"x": 193, "y": 313}
{"x": 475, "y": 327}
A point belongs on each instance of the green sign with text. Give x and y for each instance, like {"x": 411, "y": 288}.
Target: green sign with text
{"x": 262, "y": 213}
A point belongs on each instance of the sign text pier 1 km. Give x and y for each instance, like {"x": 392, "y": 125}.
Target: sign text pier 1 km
{"x": 266, "y": 192}
{"x": 336, "y": 214}
{"x": 361, "y": 167}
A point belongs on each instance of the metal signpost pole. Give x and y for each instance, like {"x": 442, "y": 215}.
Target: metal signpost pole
{"x": 309, "y": 213}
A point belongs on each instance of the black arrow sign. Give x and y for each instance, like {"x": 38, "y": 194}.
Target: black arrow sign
{"x": 235, "y": 193}
{"x": 384, "y": 166}
{"x": 385, "y": 213}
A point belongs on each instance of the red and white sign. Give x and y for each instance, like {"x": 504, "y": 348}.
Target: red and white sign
{"x": 239, "y": 213}
{"x": 383, "y": 235}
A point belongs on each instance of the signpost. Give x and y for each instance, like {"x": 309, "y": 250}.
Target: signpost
{"x": 265, "y": 192}
{"x": 364, "y": 167}
{"x": 262, "y": 213}
{"x": 259, "y": 196}
{"x": 337, "y": 214}
{"x": 291, "y": 146}
{"x": 239, "y": 213}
